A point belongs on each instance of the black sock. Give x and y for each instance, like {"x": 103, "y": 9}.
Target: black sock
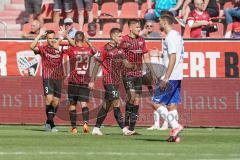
{"x": 50, "y": 116}
{"x": 128, "y": 111}
{"x": 102, "y": 114}
{"x": 133, "y": 117}
{"x": 118, "y": 116}
{"x": 85, "y": 114}
{"x": 55, "y": 111}
{"x": 47, "y": 110}
{"x": 73, "y": 118}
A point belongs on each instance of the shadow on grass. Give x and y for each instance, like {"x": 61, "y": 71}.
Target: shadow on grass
{"x": 151, "y": 140}
{"x": 42, "y": 130}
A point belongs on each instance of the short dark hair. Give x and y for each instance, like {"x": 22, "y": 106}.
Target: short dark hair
{"x": 115, "y": 30}
{"x": 50, "y": 32}
{"x": 170, "y": 19}
{"x": 166, "y": 12}
{"x": 79, "y": 35}
{"x": 133, "y": 21}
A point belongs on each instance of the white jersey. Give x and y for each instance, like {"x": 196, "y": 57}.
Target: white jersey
{"x": 174, "y": 44}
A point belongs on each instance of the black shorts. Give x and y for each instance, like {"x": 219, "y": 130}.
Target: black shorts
{"x": 60, "y": 4}
{"x": 52, "y": 87}
{"x": 147, "y": 79}
{"x": 77, "y": 92}
{"x": 33, "y": 6}
{"x": 111, "y": 92}
{"x": 133, "y": 83}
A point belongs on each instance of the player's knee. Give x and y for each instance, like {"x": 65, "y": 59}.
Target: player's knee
{"x": 172, "y": 107}
{"x": 55, "y": 102}
{"x": 80, "y": 13}
{"x": 49, "y": 99}
{"x": 116, "y": 103}
{"x": 84, "y": 104}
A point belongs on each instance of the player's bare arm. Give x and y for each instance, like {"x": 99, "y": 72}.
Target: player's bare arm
{"x": 94, "y": 75}
{"x": 147, "y": 61}
{"x": 33, "y": 45}
{"x": 171, "y": 64}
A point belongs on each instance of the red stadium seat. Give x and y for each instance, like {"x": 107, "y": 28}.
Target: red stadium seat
{"x": 144, "y": 9}
{"x": 107, "y": 27}
{"x": 47, "y": 11}
{"x": 52, "y": 26}
{"x": 219, "y": 33}
{"x": 129, "y": 10}
{"x": 109, "y": 10}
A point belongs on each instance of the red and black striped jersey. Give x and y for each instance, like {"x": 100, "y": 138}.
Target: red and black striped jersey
{"x": 79, "y": 58}
{"x": 134, "y": 49}
{"x": 52, "y": 62}
{"x": 112, "y": 63}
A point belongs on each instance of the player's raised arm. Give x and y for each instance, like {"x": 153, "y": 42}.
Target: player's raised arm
{"x": 33, "y": 45}
{"x": 62, "y": 33}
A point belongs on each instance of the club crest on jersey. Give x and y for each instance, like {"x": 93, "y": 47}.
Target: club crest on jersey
{"x": 28, "y": 63}
{"x": 140, "y": 44}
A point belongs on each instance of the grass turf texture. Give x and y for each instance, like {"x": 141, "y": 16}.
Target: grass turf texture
{"x": 32, "y": 143}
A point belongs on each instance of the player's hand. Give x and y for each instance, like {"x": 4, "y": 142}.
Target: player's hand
{"x": 62, "y": 32}
{"x": 163, "y": 84}
{"x": 91, "y": 85}
{"x": 42, "y": 32}
{"x": 134, "y": 67}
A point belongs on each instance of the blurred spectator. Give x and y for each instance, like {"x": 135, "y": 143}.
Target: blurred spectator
{"x": 209, "y": 5}
{"x": 198, "y": 19}
{"x": 35, "y": 29}
{"x": 148, "y": 32}
{"x": 68, "y": 24}
{"x": 84, "y": 5}
{"x": 175, "y": 10}
{"x": 33, "y": 8}
{"x": 234, "y": 12}
{"x": 160, "y": 5}
{"x": 58, "y": 6}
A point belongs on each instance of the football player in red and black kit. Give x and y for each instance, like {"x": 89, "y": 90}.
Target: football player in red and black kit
{"x": 79, "y": 78}
{"x": 52, "y": 73}
{"x": 135, "y": 50}
{"x": 112, "y": 61}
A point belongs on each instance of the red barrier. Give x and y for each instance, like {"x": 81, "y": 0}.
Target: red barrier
{"x": 205, "y": 101}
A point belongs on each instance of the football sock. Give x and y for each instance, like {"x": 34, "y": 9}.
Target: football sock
{"x": 118, "y": 116}
{"x": 102, "y": 114}
{"x": 85, "y": 114}
{"x": 133, "y": 117}
{"x": 50, "y": 116}
{"x": 156, "y": 119}
{"x": 73, "y": 118}
{"x": 128, "y": 110}
{"x": 173, "y": 118}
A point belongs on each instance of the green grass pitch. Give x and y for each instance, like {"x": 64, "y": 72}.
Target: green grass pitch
{"x": 32, "y": 143}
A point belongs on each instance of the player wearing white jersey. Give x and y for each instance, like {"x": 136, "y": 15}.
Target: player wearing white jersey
{"x": 167, "y": 92}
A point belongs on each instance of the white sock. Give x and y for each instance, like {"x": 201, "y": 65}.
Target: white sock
{"x": 173, "y": 118}
{"x": 163, "y": 112}
{"x": 165, "y": 124}
{"x": 156, "y": 119}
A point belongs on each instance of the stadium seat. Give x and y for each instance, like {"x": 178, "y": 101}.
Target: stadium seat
{"x": 47, "y": 11}
{"x": 85, "y": 29}
{"x": 144, "y": 9}
{"x": 219, "y": 33}
{"x": 109, "y": 10}
{"x": 52, "y": 26}
{"x": 129, "y": 10}
{"x": 107, "y": 27}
